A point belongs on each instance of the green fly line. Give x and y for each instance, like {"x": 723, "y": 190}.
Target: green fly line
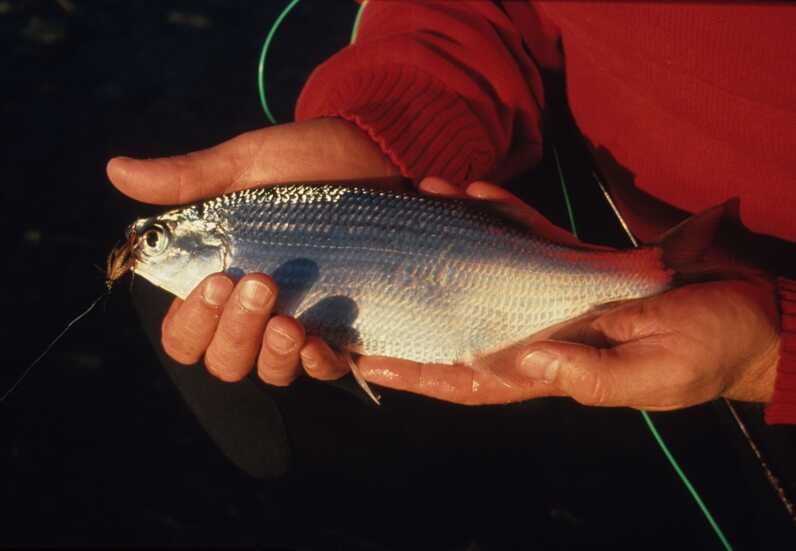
{"x": 647, "y": 419}
{"x": 267, "y": 44}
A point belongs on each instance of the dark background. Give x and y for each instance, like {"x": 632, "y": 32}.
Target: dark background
{"x": 96, "y": 446}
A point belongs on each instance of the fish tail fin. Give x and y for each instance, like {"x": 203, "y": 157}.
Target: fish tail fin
{"x": 693, "y": 248}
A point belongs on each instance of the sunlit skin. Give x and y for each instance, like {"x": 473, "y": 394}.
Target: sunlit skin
{"x": 681, "y": 348}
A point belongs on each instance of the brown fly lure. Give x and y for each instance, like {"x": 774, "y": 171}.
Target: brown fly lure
{"x": 120, "y": 260}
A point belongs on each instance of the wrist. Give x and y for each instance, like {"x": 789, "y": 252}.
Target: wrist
{"x": 756, "y": 383}
{"x": 756, "y": 319}
{"x": 782, "y": 406}
{"x": 350, "y": 149}
{"x": 314, "y": 150}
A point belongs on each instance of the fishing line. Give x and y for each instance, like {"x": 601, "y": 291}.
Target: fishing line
{"x": 358, "y": 21}
{"x": 647, "y": 419}
{"x": 55, "y": 340}
{"x": 264, "y": 52}
{"x": 267, "y": 44}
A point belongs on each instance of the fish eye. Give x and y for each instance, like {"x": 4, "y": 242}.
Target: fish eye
{"x": 154, "y": 240}
{"x": 151, "y": 238}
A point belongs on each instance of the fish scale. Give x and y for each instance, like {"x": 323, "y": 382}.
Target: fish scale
{"x": 391, "y": 273}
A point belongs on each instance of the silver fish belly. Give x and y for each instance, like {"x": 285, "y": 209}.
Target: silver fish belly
{"x": 388, "y": 273}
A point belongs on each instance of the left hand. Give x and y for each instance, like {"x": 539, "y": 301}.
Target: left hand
{"x": 681, "y": 348}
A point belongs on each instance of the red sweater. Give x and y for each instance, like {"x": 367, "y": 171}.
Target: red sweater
{"x": 696, "y": 103}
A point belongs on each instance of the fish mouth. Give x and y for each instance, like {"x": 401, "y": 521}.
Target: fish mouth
{"x": 122, "y": 257}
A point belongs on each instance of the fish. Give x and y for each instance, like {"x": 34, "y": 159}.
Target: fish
{"x": 382, "y": 272}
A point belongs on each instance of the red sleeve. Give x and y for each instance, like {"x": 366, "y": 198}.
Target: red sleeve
{"x": 782, "y": 408}
{"x": 445, "y": 88}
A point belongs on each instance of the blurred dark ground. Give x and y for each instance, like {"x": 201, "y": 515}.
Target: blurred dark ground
{"x": 98, "y": 449}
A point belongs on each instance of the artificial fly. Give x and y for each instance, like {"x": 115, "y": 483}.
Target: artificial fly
{"x": 120, "y": 261}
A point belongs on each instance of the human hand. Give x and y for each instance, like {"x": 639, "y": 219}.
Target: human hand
{"x": 227, "y": 322}
{"x": 687, "y": 346}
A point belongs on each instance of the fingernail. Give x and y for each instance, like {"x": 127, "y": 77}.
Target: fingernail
{"x": 540, "y": 365}
{"x": 309, "y": 362}
{"x": 254, "y": 295}
{"x": 280, "y": 342}
{"x": 217, "y": 290}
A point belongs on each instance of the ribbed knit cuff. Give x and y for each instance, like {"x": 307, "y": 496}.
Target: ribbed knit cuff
{"x": 782, "y": 409}
{"x": 420, "y": 124}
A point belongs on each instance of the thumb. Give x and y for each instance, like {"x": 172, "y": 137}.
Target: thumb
{"x": 307, "y": 151}
{"x": 638, "y": 374}
{"x": 580, "y": 371}
{"x": 182, "y": 178}
{"x": 617, "y": 376}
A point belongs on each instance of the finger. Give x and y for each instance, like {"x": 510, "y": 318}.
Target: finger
{"x": 188, "y": 328}
{"x": 320, "y": 361}
{"x": 508, "y": 204}
{"x": 642, "y": 374}
{"x": 488, "y": 191}
{"x": 432, "y": 185}
{"x": 631, "y": 320}
{"x": 278, "y": 363}
{"x": 237, "y": 341}
{"x": 173, "y": 307}
{"x": 190, "y": 177}
{"x": 514, "y": 208}
{"x": 453, "y": 383}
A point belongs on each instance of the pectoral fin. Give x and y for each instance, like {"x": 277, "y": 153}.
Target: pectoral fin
{"x": 348, "y": 356}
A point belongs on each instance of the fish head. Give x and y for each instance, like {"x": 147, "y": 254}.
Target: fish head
{"x": 177, "y": 250}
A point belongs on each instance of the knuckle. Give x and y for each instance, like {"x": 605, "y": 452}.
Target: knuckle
{"x": 275, "y": 374}
{"x": 320, "y": 362}
{"x": 312, "y": 363}
{"x": 234, "y": 335}
{"x": 283, "y": 337}
{"x": 223, "y": 367}
{"x": 184, "y": 357}
{"x": 597, "y": 394}
{"x": 626, "y": 321}
{"x": 276, "y": 380}
{"x": 178, "y": 350}
{"x": 591, "y": 388}
{"x": 277, "y": 366}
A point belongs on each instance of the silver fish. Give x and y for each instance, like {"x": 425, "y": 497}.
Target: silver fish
{"x": 388, "y": 273}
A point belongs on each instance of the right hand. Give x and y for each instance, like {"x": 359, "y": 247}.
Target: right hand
{"x": 229, "y": 323}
